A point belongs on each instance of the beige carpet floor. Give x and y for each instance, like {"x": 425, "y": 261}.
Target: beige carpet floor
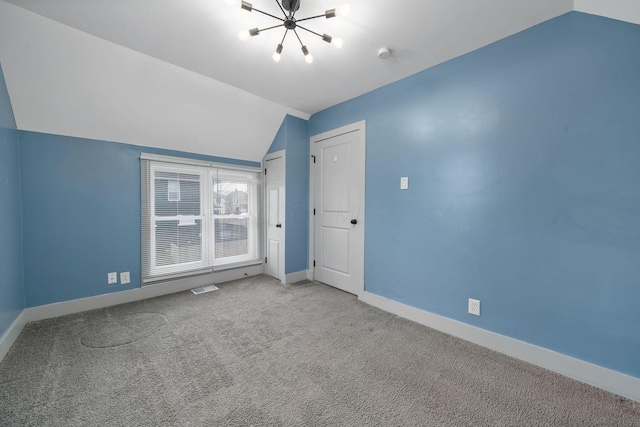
{"x": 258, "y": 353}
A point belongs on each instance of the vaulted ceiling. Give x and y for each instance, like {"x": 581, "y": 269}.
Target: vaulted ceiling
{"x": 173, "y": 73}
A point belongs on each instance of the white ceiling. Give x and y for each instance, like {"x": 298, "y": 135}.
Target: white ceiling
{"x": 201, "y": 36}
{"x": 622, "y": 10}
{"x": 174, "y": 74}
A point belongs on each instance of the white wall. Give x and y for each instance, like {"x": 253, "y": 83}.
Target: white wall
{"x": 624, "y": 10}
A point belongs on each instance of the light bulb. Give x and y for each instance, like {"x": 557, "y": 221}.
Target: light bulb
{"x": 337, "y": 42}
{"x": 307, "y": 55}
{"x": 344, "y": 10}
{"x": 245, "y": 34}
{"x": 277, "y": 54}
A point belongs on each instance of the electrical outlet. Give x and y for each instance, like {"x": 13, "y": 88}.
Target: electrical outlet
{"x": 112, "y": 278}
{"x": 125, "y": 278}
{"x": 474, "y": 307}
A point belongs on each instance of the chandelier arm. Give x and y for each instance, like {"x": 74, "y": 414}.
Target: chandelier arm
{"x": 268, "y": 14}
{"x": 306, "y": 29}
{"x": 270, "y": 28}
{"x": 281, "y": 8}
{"x": 296, "y": 33}
{"x": 285, "y": 35}
{"x": 311, "y": 17}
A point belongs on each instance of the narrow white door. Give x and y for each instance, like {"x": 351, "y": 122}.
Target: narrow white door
{"x": 339, "y": 211}
{"x": 274, "y": 169}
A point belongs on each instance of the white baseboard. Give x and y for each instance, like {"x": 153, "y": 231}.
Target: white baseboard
{"x": 10, "y": 336}
{"x": 149, "y": 291}
{"x": 295, "y": 277}
{"x": 606, "y": 379}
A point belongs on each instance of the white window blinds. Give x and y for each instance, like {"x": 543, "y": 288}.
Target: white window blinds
{"x": 197, "y": 217}
{"x": 235, "y": 204}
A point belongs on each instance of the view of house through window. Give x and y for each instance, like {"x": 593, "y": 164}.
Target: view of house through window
{"x": 234, "y": 199}
{"x": 196, "y": 218}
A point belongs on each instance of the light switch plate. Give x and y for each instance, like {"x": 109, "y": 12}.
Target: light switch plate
{"x": 404, "y": 183}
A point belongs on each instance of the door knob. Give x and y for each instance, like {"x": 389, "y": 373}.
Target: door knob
{"x": 354, "y": 221}
{"x": 278, "y": 225}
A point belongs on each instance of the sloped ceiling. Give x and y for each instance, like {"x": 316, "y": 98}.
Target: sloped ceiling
{"x": 173, "y": 73}
{"x": 67, "y": 82}
{"x": 622, "y": 10}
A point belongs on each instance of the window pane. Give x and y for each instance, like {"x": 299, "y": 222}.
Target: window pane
{"x": 178, "y": 242}
{"x": 230, "y": 198}
{"x": 231, "y": 237}
{"x": 176, "y": 194}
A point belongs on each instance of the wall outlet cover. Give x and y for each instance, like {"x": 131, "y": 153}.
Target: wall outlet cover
{"x": 125, "y": 278}
{"x": 474, "y": 307}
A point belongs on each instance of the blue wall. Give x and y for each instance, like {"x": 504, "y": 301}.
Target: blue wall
{"x": 297, "y": 237}
{"x": 523, "y": 160}
{"x": 293, "y": 137}
{"x": 81, "y": 204}
{"x": 11, "y": 281}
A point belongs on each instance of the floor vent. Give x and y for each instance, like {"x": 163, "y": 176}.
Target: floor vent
{"x": 204, "y": 289}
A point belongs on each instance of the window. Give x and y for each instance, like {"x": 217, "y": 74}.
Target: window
{"x": 235, "y": 203}
{"x": 197, "y": 216}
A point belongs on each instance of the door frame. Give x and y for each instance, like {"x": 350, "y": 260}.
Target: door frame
{"x": 267, "y": 157}
{"x": 353, "y": 127}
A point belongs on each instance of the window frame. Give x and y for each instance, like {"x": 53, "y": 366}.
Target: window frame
{"x": 204, "y": 262}
{"x": 253, "y": 229}
{"x": 208, "y": 173}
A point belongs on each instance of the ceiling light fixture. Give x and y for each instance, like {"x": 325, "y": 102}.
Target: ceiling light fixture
{"x": 289, "y": 22}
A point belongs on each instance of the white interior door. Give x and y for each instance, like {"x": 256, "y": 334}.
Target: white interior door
{"x": 275, "y": 205}
{"x": 339, "y": 210}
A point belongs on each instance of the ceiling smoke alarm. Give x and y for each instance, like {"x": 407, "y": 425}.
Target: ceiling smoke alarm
{"x": 384, "y": 53}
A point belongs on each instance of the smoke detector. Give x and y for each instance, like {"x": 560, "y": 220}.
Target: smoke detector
{"x": 384, "y": 53}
